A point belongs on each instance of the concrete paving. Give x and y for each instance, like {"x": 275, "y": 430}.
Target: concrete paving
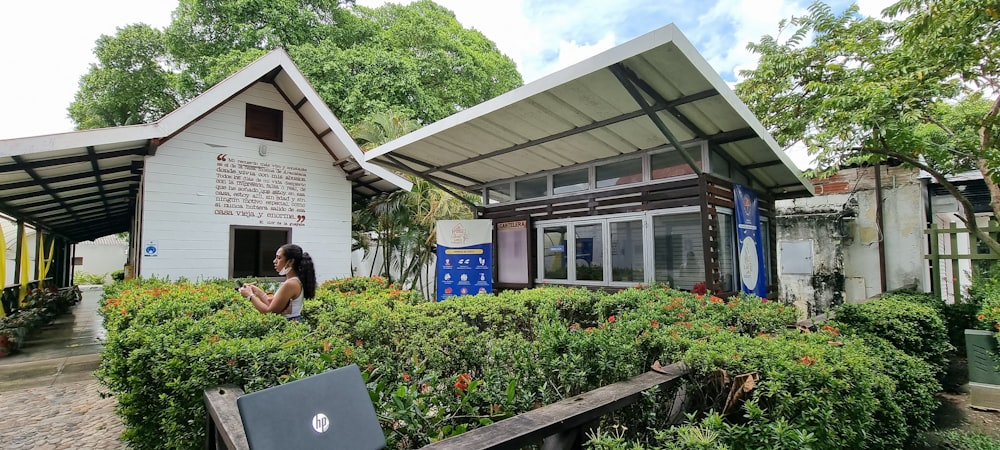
{"x": 49, "y": 397}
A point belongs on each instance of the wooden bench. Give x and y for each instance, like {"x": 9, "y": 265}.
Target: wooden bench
{"x": 560, "y": 425}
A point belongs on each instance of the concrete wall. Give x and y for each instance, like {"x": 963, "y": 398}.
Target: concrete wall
{"x": 211, "y": 177}
{"x": 102, "y": 256}
{"x": 839, "y": 227}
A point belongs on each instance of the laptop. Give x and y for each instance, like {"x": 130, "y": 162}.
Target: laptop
{"x": 331, "y": 410}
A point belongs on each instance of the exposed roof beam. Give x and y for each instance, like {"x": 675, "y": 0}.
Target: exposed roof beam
{"x": 437, "y": 183}
{"x": 139, "y": 151}
{"x": 657, "y": 98}
{"x": 48, "y": 206}
{"x": 71, "y": 198}
{"x": 664, "y": 105}
{"x": 75, "y": 187}
{"x": 43, "y": 183}
{"x": 435, "y": 169}
{"x": 726, "y": 137}
{"x": 96, "y": 167}
{"x": 627, "y": 78}
{"x": 761, "y": 165}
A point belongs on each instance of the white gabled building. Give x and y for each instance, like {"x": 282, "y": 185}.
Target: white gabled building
{"x": 208, "y": 191}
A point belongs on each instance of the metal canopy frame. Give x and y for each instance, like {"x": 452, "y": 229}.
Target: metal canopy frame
{"x": 653, "y": 91}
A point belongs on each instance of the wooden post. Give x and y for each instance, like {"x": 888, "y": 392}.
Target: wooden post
{"x": 935, "y": 261}
{"x": 225, "y": 426}
{"x": 956, "y": 271}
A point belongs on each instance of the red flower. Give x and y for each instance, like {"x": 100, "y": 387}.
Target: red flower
{"x": 358, "y": 343}
{"x": 981, "y": 317}
{"x": 611, "y": 319}
{"x": 715, "y": 299}
{"x": 807, "y": 360}
{"x": 831, "y": 330}
{"x": 461, "y": 386}
{"x": 406, "y": 377}
{"x": 654, "y": 323}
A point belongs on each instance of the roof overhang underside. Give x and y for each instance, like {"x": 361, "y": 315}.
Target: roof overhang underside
{"x": 648, "y": 93}
{"x": 82, "y": 185}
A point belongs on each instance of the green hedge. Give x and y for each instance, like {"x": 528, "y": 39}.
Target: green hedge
{"x": 913, "y": 327}
{"x": 437, "y": 369}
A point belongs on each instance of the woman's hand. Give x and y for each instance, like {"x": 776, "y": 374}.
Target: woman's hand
{"x": 246, "y": 290}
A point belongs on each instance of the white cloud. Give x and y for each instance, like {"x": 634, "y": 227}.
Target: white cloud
{"x": 48, "y": 46}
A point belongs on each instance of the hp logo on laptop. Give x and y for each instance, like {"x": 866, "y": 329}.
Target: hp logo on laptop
{"x": 320, "y": 423}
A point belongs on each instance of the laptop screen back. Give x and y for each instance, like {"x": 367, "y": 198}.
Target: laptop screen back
{"x": 331, "y": 410}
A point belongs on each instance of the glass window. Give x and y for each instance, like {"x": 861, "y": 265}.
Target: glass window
{"x": 576, "y": 180}
{"x": 678, "y": 251}
{"x": 498, "y": 194}
{"x": 671, "y": 164}
{"x": 533, "y": 188}
{"x": 719, "y": 165}
{"x": 554, "y": 253}
{"x": 619, "y": 173}
{"x": 589, "y": 253}
{"x": 626, "y": 251}
{"x": 727, "y": 251}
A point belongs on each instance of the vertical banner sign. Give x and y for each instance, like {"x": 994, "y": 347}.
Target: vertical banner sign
{"x": 750, "y": 244}
{"x": 464, "y": 257}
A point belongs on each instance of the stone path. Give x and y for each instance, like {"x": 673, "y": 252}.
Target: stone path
{"x": 49, "y": 398}
{"x": 68, "y": 415}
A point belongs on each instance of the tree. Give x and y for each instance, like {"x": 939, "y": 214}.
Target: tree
{"x": 416, "y": 59}
{"x": 865, "y": 90}
{"x": 404, "y": 221}
{"x": 129, "y": 85}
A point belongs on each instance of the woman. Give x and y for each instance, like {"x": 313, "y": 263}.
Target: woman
{"x": 300, "y": 283}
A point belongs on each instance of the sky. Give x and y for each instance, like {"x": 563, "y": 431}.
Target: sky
{"x": 48, "y": 45}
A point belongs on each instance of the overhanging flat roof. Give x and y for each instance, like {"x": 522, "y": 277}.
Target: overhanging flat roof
{"x": 649, "y": 92}
{"x": 81, "y": 185}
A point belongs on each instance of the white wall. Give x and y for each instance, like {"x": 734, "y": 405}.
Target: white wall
{"x": 179, "y": 187}
{"x": 102, "y": 256}
{"x": 841, "y": 224}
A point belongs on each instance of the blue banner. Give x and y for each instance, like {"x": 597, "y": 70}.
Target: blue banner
{"x": 464, "y": 258}
{"x": 750, "y": 245}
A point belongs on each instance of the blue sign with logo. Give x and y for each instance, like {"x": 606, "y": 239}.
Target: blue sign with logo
{"x": 751, "y": 249}
{"x": 464, "y": 258}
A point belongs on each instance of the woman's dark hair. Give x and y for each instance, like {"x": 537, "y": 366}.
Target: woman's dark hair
{"x": 302, "y": 263}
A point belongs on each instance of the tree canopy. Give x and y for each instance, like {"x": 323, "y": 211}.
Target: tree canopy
{"x": 415, "y": 59}
{"x": 918, "y": 85}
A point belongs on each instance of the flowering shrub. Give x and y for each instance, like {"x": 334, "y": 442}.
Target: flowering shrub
{"x": 437, "y": 369}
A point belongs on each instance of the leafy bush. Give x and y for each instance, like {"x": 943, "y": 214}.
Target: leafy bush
{"x": 39, "y": 308}
{"x": 437, "y": 369}
{"x": 914, "y": 328}
{"x": 957, "y": 317}
{"x": 81, "y": 277}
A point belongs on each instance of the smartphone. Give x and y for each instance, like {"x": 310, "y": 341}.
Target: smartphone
{"x": 239, "y": 284}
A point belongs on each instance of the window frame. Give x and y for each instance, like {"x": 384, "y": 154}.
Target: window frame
{"x": 232, "y": 246}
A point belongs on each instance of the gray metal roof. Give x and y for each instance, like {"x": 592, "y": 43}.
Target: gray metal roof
{"x": 82, "y": 185}
{"x": 646, "y": 93}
